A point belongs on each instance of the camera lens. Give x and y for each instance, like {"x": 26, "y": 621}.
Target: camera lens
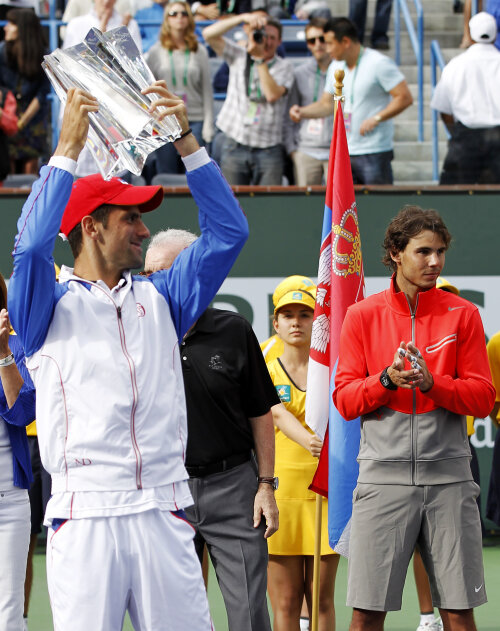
{"x": 258, "y": 36}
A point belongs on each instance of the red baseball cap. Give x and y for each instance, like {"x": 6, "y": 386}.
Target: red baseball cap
{"x": 93, "y": 191}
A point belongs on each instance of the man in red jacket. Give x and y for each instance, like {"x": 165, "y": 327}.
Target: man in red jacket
{"x": 412, "y": 364}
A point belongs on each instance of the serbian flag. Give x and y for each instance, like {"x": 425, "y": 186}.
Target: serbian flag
{"x": 340, "y": 284}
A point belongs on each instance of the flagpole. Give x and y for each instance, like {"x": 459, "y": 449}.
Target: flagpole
{"x": 339, "y": 78}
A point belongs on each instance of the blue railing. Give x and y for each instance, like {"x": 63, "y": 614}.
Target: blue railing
{"x": 417, "y": 42}
{"x": 437, "y": 59}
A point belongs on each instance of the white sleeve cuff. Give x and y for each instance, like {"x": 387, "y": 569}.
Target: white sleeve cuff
{"x": 195, "y": 6}
{"x": 196, "y": 160}
{"x": 61, "y": 162}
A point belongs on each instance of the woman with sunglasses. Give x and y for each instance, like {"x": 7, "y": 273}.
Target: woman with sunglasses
{"x": 182, "y": 62}
{"x": 17, "y": 409}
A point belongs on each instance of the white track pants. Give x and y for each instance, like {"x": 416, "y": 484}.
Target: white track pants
{"x": 97, "y": 568}
{"x": 15, "y": 529}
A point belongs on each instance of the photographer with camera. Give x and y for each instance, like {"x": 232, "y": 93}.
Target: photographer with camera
{"x": 252, "y": 115}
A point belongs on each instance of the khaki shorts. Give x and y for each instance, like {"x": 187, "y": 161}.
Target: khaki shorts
{"x": 389, "y": 521}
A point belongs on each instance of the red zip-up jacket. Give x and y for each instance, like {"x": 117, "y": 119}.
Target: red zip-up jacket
{"x": 410, "y": 437}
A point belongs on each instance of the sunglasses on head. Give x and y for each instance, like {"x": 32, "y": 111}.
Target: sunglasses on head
{"x": 312, "y": 40}
{"x": 174, "y": 14}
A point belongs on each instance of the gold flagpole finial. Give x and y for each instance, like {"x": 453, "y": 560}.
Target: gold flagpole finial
{"x": 339, "y": 85}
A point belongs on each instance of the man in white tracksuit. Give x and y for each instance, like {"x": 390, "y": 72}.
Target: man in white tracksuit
{"x": 102, "y": 348}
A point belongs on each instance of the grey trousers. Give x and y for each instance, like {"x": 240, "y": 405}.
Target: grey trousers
{"x": 222, "y": 516}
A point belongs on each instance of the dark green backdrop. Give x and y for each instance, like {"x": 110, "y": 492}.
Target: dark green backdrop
{"x": 285, "y": 229}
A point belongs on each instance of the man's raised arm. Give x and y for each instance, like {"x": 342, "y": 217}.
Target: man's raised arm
{"x": 198, "y": 272}
{"x": 213, "y": 34}
{"x": 32, "y": 287}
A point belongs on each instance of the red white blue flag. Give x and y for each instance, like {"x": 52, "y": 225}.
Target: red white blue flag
{"x": 340, "y": 284}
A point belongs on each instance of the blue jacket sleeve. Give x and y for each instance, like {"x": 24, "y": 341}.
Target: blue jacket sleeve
{"x": 22, "y": 413}
{"x": 197, "y": 273}
{"x": 17, "y": 417}
{"x": 33, "y": 290}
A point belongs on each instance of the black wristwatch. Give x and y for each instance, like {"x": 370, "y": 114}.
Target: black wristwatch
{"x": 385, "y": 380}
{"x": 273, "y": 482}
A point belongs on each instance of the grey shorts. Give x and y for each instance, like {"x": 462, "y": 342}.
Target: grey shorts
{"x": 389, "y": 521}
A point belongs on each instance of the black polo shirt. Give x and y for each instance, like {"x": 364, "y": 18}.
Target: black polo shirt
{"x": 226, "y": 382}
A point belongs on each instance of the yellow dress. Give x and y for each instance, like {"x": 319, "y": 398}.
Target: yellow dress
{"x": 295, "y": 468}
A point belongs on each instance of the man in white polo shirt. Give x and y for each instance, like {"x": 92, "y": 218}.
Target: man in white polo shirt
{"x": 468, "y": 97}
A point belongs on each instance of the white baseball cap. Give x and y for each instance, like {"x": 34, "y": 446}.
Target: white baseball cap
{"x": 483, "y": 28}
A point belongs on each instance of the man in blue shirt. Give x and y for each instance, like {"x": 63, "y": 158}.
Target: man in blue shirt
{"x": 375, "y": 91}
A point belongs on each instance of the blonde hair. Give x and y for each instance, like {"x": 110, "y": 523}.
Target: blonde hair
{"x": 189, "y": 36}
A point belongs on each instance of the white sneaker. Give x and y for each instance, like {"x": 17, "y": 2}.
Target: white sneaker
{"x": 435, "y": 625}
{"x": 304, "y": 624}
{"x": 25, "y": 624}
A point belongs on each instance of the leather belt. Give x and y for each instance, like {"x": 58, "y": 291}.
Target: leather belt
{"x": 200, "y": 471}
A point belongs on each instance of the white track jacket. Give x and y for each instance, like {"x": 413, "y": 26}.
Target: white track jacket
{"x": 111, "y": 413}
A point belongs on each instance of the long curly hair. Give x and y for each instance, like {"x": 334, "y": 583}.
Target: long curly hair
{"x": 189, "y": 36}
{"x": 27, "y": 51}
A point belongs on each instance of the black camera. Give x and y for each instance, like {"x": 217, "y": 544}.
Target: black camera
{"x": 258, "y": 35}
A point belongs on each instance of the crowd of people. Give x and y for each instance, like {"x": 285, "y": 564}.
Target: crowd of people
{"x": 275, "y": 123}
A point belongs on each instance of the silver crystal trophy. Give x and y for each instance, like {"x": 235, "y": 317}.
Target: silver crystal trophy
{"x": 122, "y": 132}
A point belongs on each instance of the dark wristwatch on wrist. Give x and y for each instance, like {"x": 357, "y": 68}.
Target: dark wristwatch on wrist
{"x": 385, "y": 380}
{"x": 273, "y": 482}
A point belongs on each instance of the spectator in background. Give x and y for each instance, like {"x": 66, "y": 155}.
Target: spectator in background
{"x": 8, "y": 125}
{"x": 149, "y": 32}
{"x": 375, "y": 91}
{"x": 182, "y": 62}
{"x": 104, "y": 16}
{"x": 208, "y": 10}
{"x": 468, "y": 97}
{"x": 308, "y": 141}
{"x": 7, "y": 5}
{"x": 492, "y": 7}
{"x": 252, "y": 115}
{"x": 20, "y": 57}
{"x": 309, "y": 9}
{"x": 301, "y": 9}
{"x": 126, "y": 8}
{"x": 221, "y": 78}
{"x": 357, "y": 14}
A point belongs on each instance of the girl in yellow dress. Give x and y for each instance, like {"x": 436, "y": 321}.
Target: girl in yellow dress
{"x": 291, "y": 549}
